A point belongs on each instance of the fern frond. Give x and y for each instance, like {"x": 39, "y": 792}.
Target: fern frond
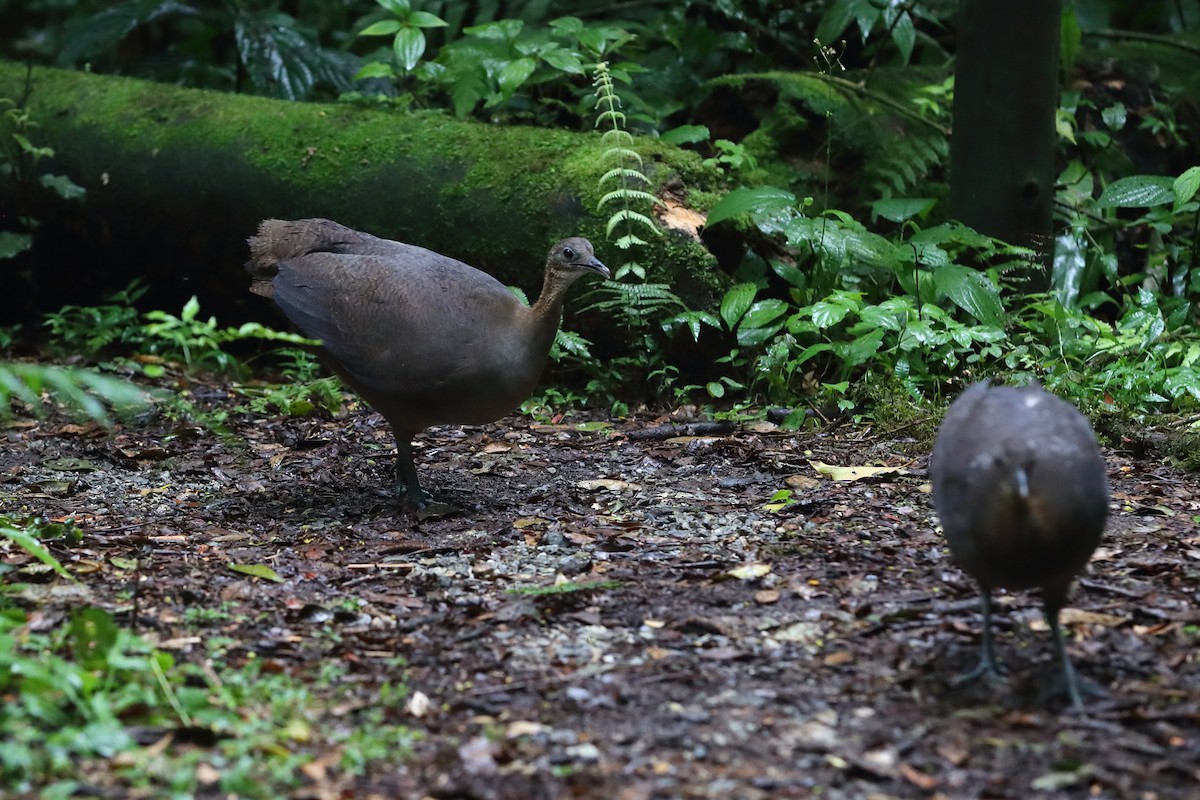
{"x": 624, "y": 152}
{"x": 629, "y": 215}
{"x": 634, "y": 304}
{"x": 625, "y": 173}
{"x": 628, "y": 194}
{"x": 629, "y": 240}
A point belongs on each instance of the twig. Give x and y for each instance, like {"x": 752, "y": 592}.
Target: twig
{"x": 688, "y": 429}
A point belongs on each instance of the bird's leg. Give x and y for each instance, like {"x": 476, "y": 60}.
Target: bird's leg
{"x": 408, "y": 486}
{"x": 987, "y": 667}
{"x": 1068, "y": 671}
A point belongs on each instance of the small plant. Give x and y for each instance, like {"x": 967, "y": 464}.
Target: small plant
{"x": 87, "y": 393}
{"x": 407, "y": 28}
{"x": 27, "y": 534}
{"x": 77, "y": 692}
{"x": 87, "y": 330}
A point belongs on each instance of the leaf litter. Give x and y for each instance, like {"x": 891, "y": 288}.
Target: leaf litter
{"x": 611, "y": 615}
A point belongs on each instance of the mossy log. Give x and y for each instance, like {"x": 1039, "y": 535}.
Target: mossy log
{"x": 177, "y": 178}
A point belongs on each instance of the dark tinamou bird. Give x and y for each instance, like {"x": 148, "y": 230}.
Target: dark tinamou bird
{"x": 1020, "y": 488}
{"x": 423, "y": 338}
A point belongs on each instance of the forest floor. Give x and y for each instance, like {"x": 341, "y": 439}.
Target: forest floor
{"x": 617, "y": 617}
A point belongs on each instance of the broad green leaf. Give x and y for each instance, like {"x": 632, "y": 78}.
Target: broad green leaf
{"x": 971, "y": 291}
{"x": 743, "y": 200}
{"x": 423, "y": 19}
{"x": 1137, "y": 191}
{"x": 514, "y": 74}
{"x": 385, "y": 27}
{"x": 31, "y": 545}
{"x": 568, "y": 25}
{"x": 790, "y": 273}
{"x": 763, "y": 313}
{"x": 563, "y": 60}
{"x": 1114, "y": 116}
{"x": 825, "y": 314}
{"x": 903, "y": 208}
{"x": 63, "y": 186}
{"x": 13, "y": 243}
{"x": 715, "y": 389}
{"x": 1186, "y": 185}
{"x": 500, "y": 30}
{"x": 376, "y": 69}
{"x": 811, "y": 351}
{"x": 409, "y": 46}
{"x": 401, "y": 8}
{"x": 859, "y": 351}
{"x": 686, "y": 134}
{"x": 736, "y": 303}
{"x": 257, "y": 571}
{"x": 905, "y": 36}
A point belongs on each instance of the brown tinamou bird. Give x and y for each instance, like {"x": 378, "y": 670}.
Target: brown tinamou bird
{"x": 423, "y": 338}
{"x": 1020, "y": 488}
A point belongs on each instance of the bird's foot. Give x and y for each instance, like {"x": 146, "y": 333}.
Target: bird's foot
{"x": 987, "y": 669}
{"x": 1074, "y": 690}
{"x": 435, "y": 510}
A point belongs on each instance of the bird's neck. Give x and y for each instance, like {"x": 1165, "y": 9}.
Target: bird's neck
{"x": 546, "y": 314}
{"x": 548, "y": 308}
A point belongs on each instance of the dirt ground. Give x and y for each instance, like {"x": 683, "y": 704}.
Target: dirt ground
{"x": 728, "y": 650}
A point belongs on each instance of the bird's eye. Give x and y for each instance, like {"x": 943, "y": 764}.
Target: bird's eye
{"x": 568, "y": 252}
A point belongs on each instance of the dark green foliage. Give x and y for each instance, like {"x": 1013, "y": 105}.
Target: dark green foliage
{"x": 208, "y": 45}
{"x": 850, "y": 270}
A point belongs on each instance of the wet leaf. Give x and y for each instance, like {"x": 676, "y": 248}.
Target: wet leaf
{"x": 257, "y": 571}
{"x": 749, "y": 572}
{"x": 854, "y": 473}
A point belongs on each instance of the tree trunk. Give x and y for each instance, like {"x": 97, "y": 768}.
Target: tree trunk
{"x": 177, "y": 179}
{"x": 1005, "y": 99}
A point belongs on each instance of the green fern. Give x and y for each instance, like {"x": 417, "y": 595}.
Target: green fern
{"x": 636, "y": 303}
{"x": 625, "y": 176}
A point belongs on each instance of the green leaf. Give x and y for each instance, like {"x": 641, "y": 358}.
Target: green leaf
{"x": 763, "y": 313}
{"x": 1137, "y": 191}
{"x": 905, "y": 36}
{"x": 409, "y": 47}
{"x": 860, "y": 350}
{"x": 257, "y": 571}
{"x": 401, "y": 8}
{"x": 1114, "y": 116}
{"x": 13, "y": 243}
{"x": 743, "y": 200}
{"x": 1186, "y": 185}
{"x": 514, "y": 74}
{"x": 811, "y": 351}
{"x": 385, "y": 27}
{"x": 423, "y": 19}
{"x": 715, "y": 388}
{"x": 903, "y": 208}
{"x": 376, "y": 69}
{"x": 825, "y": 314}
{"x": 736, "y": 303}
{"x": 686, "y": 134}
{"x": 971, "y": 291}
{"x": 1071, "y": 35}
{"x": 31, "y": 545}
{"x": 504, "y": 29}
{"x": 63, "y": 186}
{"x": 563, "y": 60}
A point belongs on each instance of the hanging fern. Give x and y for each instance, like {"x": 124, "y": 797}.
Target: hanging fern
{"x": 625, "y": 175}
{"x": 634, "y": 301}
